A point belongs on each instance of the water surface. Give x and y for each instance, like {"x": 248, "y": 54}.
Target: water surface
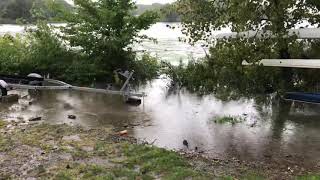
{"x": 282, "y": 133}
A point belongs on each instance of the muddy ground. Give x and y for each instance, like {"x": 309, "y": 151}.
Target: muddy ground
{"x": 43, "y": 151}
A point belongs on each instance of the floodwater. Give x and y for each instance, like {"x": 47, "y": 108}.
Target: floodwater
{"x": 276, "y": 132}
{"x": 285, "y": 134}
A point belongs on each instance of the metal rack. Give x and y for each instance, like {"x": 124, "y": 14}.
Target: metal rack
{"x": 36, "y": 79}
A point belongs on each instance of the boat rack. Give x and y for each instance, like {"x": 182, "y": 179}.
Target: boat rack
{"x": 37, "y": 82}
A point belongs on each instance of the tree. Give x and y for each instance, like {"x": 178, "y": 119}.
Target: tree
{"x": 272, "y": 17}
{"x": 202, "y": 16}
{"x": 26, "y": 10}
{"x": 105, "y": 29}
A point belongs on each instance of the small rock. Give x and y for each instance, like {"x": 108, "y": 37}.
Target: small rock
{"x": 87, "y": 148}
{"x": 20, "y": 118}
{"x": 35, "y": 119}
{"x": 71, "y": 138}
{"x": 68, "y": 167}
{"x": 55, "y": 147}
{"x": 72, "y": 117}
{"x": 67, "y": 106}
{"x": 288, "y": 156}
{"x": 65, "y": 156}
{"x": 185, "y": 142}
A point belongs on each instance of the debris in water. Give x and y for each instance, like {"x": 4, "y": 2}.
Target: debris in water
{"x": 35, "y": 119}
{"x": 67, "y": 106}
{"x": 123, "y": 133}
{"x": 72, "y": 117}
{"x": 185, "y": 142}
{"x": 133, "y": 101}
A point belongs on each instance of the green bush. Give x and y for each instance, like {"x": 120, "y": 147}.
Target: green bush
{"x": 146, "y": 67}
{"x": 42, "y": 51}
{"x": 12, "y": 54}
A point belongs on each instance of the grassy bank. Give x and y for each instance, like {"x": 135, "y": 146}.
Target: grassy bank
{"x": 62, "y": 152}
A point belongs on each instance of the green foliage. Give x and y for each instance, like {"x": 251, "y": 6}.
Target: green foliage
{"x": 308, "y": 177}
{"x": 222, "y": 71}
{"x": 169, "y": 13}
{"x": 27, "y": 11}
{"x": 146, "y": 67}
{"x": 11, "y": 53}
{"x": 2, "y": 124}
{"x": 167, "y": 163}
{"x": 142, "y": 8}
{"x": 166, "y": 12}
{"x": 229, "y": 119}
{"x": 94, "y": 43}
{"x": 103, "y": 30}
{"x": 201, "y": 17}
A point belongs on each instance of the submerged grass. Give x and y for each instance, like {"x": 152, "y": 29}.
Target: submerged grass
{"x": 167, "y": 163}
{"x": 2, "y": 124}
{"x": 229, "y": 119}
{"x": 99, "y": 154}
{"x": 105, "y": 159}
{"x": 308, "y": 177}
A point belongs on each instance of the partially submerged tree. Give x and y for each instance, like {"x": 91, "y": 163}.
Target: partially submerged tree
{"x": 201, "y": 17}
{"x": 271, "y": 17}
{"x": 105, "y": 29}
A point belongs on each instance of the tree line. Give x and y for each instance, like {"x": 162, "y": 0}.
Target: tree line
{"x": 167, "y": 12}
{"x": 23, "y": 10}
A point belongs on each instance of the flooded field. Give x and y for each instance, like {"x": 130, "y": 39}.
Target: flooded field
{"x": 285, "y": 134}
{"x": 279, "y": 133}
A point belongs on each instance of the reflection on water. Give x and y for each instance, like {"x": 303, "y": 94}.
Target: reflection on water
{"x": 279, "y": 131}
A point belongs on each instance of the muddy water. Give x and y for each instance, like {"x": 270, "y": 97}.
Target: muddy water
{"x": 283, "y": 134}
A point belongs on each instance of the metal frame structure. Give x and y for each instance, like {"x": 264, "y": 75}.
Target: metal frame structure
{"x": 288, "y": 63}
{"x": 305, "y": 33}
{"x": 125, "y": 90}
{"x": 308, "y": 33}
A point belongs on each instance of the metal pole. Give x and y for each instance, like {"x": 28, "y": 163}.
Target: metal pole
{"x": 127, "y": 82}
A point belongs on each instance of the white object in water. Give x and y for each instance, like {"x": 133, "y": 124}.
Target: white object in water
{"x": 35, "y": 75}
{"x": 292, "y": 63}
{"x": 3, "y": 84}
